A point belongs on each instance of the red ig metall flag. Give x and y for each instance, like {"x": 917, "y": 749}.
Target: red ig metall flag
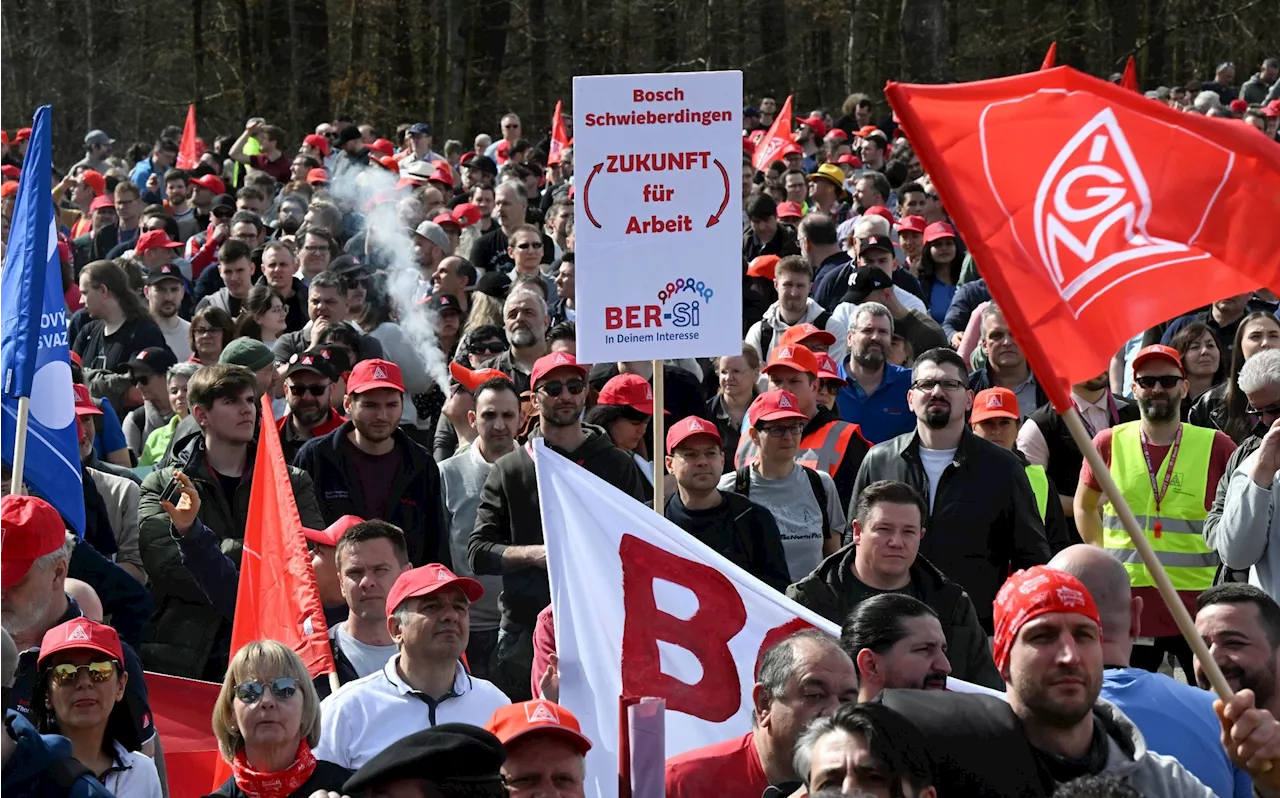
{"x": 1093, "y": 212}
{"x": 189, "y": 150}
{"x": 559, "y": 139}
{"x": 779, "y": 136}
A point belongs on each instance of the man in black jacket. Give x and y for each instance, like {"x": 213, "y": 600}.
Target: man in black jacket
{"x": 884, "y": 558}
{"x": 982, "y": 517}
{"x": 370, "y": 468}
{"x": 733, "y": 525}
{"x": 508, "y": 538}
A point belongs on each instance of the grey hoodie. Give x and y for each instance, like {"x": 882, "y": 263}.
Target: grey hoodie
{"x": 1242, "y": 537}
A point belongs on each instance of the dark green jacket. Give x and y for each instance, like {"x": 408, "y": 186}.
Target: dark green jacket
{"x": 188, "y": 637}
{"x": 823, "y": 591}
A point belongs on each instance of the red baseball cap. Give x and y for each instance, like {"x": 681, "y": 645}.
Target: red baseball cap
{"x": 466, "y": 214}
{"x": 630, "y": 390}
{"x": 95, "y": 181}
{"x": 792, "y": 356}
{"x": 474, "y": 378}
{"x": 799, "y": 333}
{"x": 317, "y": 176}
{"x": 883, "y": 212}
{"x": 29, "y": 529}
{"x": 938, "y": 230}
{"x": 815, "y": 124}
{"x": 556, "y": 360}
{"x": 836, "y": 134}
{"x": 690, "y": 427}
{"x": 79, "y": 634}
{"x": 154, "y": 239}
{"x": 319, "y": 142}
{"x": 790, "y": 149}
{"x": 10, "y": 171}
{"x": 774, "y": 406}
{"x": 849, "y": 160}
{"x": 444, "y": 217}
{"x": 330, "y": 534}
{"x": 994, "y": 403}
{"x": 105, "y": 201}
{"x": 9, "y": 187}
{"x": 827, "y": 369}
{"x": 538, "y": 716}
{"x": 912, "y": 224}
{"x": 375, "y": 373}
{"x": 789, "y": 210}
{"x": 383, "y": 146}
{"x": 84, "y": 401}
{"x": 1158, "y": 352}
{"x": 211, "y": 183}
{"x": 867, "y": 130}
{"x": 504, "y": 147}
{"x": 442, "y": 176}
{"x": 763, "y": 266}
{"x": 23, "y": 134}
{"x": 389, "y": 163}
{"x": 427, "y": 580}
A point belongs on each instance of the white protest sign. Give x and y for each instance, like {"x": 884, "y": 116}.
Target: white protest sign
{"x": 658, "y": 215}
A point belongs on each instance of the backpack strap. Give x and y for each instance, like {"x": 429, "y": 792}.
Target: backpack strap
{"x": 819, "y": 493}
{"x": 821, "y": 321}
{"x": 65, "y": 772}
{"x": 742, "y": 481}
{"x": 766, "y": 339}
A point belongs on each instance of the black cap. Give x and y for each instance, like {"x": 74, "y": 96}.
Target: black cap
{"x": 864, "y": 281}
{"x": 346, "y": 265}
{"x": 224, "y": 201}
{"x": 442, "y": 302}
{"x": 167, "y": 271}
{"x": 156, "y": 359}
{"x": 319, "y": 360}
{"x": 482, "y": 163}
{"x": 875, "y": 242}
{"x": 446, "y": 755}
{"x": 348, "y": 133}
{"x": 750, "y": 110}
{"x": 495, "y": 284}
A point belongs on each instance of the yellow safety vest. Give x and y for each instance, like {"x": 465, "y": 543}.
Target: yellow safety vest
{"x": 1039, "y": 486}
{"x": 1190, "y": 563}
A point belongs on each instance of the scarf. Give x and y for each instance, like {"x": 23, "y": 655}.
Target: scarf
{"x": 273, "y": 785}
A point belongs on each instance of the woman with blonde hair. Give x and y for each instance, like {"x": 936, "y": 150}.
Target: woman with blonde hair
{"x": 267, "y": 721}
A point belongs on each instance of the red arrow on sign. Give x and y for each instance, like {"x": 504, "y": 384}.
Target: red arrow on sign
{"x": 586, "y": 190}
{"x": 715, "y": 218}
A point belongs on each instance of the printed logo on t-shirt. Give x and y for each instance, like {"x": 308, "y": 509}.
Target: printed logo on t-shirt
{"x": 541, "y": 712}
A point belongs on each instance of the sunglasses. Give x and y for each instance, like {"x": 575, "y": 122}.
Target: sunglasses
{"x": 99, "y": 672}
{"x": 250, "y": 693}
{"x": 141, "y": 379}
{"x": 529, "y": 245}
{"x": 1270, "y": 410}
{"x": 357, "y": 282}
{"x": 302, "y": 390}
{"x": 576, "y": 387}
{"x": 490, "y": 348}
{"x": 1168, "y": 382}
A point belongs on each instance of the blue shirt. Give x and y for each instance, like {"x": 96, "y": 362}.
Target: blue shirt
{"x": 940, "y": 296}
{"x": 1177, "y": 720}
{"x": 885, "y": 413}
{"x": 110, "y": 437}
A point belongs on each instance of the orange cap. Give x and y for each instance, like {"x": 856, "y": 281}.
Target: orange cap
{"x": 763, "y": 266}
{"x": 799, "y": 333}
{"x": 793, "y": 356}
{"x": 994, "y": 403}
{"x": 514, "y": 721}
{"x": 474, "y": 378}
{"x": 1159, "y": 352}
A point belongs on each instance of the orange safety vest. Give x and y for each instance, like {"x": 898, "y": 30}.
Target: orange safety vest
{"x": 822, "y": 450}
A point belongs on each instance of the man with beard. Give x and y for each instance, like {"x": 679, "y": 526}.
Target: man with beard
{"x": 896, "y": 641}
{"x": 1241, "y": 625}
{"x": 507, "y": 538}
{"x": 368, "y": 467}
{"x": 982, "y": 517}
{"x": 1167, "y": 471}
{"x": 1175, "y": 718}
{"x": 884, "y": 560}
{"x": 278, "y": 267}
{"x": 308, "y": 389}
{"x": 165, "y": 291}
{"x": 875, "y": 392}
{"x": 524, "y": 316}
{"x": 1006, "y": 365}
{"x": 1045, "y": 440}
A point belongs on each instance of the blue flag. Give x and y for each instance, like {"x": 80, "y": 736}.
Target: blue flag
{"x": 35, "y": 359}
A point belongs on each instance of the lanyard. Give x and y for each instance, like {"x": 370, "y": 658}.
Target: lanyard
{"x": 1160, "y": 493}
{"x": 1112, "y": 410}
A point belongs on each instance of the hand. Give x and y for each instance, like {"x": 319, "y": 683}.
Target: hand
{"x": 889, "y": 298}
{"x": 1251, "y": 737}
{"x": 317, "y": 328}
{"x": 326, "y": 794}
{"x": 184, "y": 514}
{"x": 540, "y": 558}
{"x": 221, "y": 232}
{"x": 1264, "y": 470}
{"x": 956, "y": 339}
{"x": 549, "y": 684}
{"x": 68, "y": 180}
{"x": 153, "y": 183}
{"x": 253, "y": 124}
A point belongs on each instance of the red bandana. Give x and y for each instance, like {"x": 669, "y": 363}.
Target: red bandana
{"x": 1034, "y": 592}
{"x": 273, "y": 785}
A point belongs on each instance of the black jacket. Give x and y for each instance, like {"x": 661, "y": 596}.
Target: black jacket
{"x": 984, "y": 519}
{"x": 826, "y": 591}
{"x": 783, "y": 243}
{"x": 509, "y": 515}
{"x": 740, "y": 530}
{"x": 415, "y": 495}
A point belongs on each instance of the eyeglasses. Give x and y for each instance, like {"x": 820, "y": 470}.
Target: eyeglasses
{"x": 205, "y": 330}
{"x": 250, "y": 693}
{"x": 1270, "y": 410}
{"x": 1168, "y": 382}
{"x": 98, "y": 672}
{"x": 316, "y": 249}
{"x": 530, "y": 245}
{"x": 576, "y": 387}
{"x": 300, "y": 390}
{"x": 487, "y": 347}
{"x": 929, "y": 385}
{"x": 692, "y": 456}
{"x": 778, "y": 430}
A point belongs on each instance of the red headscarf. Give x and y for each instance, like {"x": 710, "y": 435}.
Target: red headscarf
{"x": 1031, "y": 593}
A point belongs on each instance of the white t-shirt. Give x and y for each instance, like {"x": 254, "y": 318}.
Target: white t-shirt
{"x": 366, "y": 659}
{"x": 935, "y": 461}
{"x": 175, "y": 336}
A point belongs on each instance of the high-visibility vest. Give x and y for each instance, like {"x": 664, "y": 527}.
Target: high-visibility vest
{"x": 1039, "y": 486}
{"x": 1180, "y": 547}
{"x": 822, "y": 450}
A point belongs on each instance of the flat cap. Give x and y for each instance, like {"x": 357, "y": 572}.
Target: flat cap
{"x": 449, "y": 755}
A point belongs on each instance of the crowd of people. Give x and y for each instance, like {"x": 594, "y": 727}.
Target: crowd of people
{"x": 878, "y": 451}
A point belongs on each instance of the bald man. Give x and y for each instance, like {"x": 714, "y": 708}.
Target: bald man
{"x": 1176, "y": 719}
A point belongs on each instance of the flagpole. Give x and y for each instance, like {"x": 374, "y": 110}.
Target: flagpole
{"x": 658, "y": 423}
{"x": 1167, "y": 592}
{"x": 20, "y": 446}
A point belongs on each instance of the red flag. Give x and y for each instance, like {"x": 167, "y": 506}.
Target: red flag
{"x": 1051, "y": 57}
{"x": 188, "y": 150}
{"x": 182, "y": 709}
{"x": 1093, "y": 213}
{"x": 559, "y": 139}
{"x": 1129, "y": 80}
{"x": 779, "y": 136}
